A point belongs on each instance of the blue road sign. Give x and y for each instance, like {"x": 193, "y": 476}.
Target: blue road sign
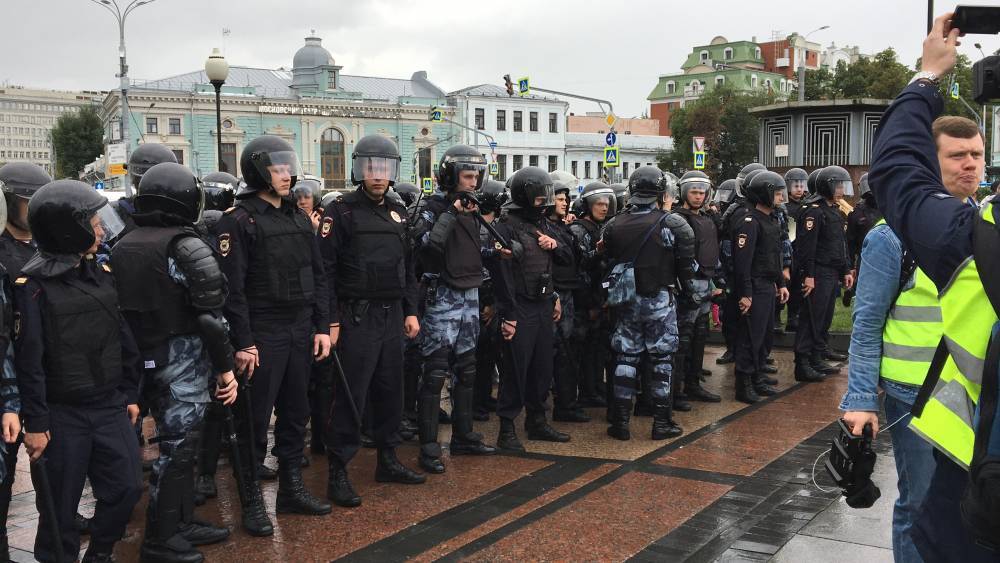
{"x": 493, "y": 145}
{"x": 699, "y": 160}
{"x": 98, "y": 185}
{"x": 955, "y": 91}
{"x": 524, "y": 86}
{"x": 611, "y": 157}
{"x": 428, "y": 185}
{"x": 437, "y": 116}
{"x": 611, "y": 139}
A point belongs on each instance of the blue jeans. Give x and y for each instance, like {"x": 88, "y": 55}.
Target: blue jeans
{"x": 914, "y": 466}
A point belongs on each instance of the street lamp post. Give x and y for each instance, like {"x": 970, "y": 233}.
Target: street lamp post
{"x": 802, "y": 63}
{"x": 217, "y": 70}
{"x": 120, "y": 15}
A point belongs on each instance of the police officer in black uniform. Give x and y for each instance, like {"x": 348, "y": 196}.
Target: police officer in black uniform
{"x": 492, "y": 196}
{"x": 277, "y": 311}
{"x": 409, "y": 192}
{"x": 527, "y": 306}
{"x": 859, "y": 222}
{"x": 796, "y": 185}
{"x": 757, "y": 280}
{"x": 220, "y": 190}
{"x": 694, "y": 308}
{"x": 373, "y": 305}
{"x": 77, "y": 371}
{"x": 592, "y": 327}
{"x": 171, "y": 292}
{"x": 450, "y": 251}
{"x": 144, "y": 157}
{"x": 821, "y": 258}
{"x": 19, "y": 181}
{"x": 566, "y": 278}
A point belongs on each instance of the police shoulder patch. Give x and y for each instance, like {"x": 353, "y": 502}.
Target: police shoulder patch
{"x": 21, "y": 280}
{"x": 324, "y": 231}
{"x": 225, "y": 244}
{"x": 741, "y": 240}
{"x": 810, "y": 223}
{"x": 395, "y": 216}
{"x": 748, "y": 219}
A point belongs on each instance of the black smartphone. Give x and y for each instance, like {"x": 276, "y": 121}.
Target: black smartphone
{"x": 977, "y": 20}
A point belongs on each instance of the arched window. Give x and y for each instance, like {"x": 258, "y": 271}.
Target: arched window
{"x": 704, "y": 56}
{"x": 331, "y": 158}
{"x": 727, "y": 54}
{"x": 756, "y": 53}
{"x": 753, "y": 81}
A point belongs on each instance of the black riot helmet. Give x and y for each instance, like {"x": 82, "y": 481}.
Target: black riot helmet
{"x": 726, "y": 192}
{"x": 695, "y": 180}
{"x": 408, "y": 192}
{"x": 748, "y": 178}
{"x": 220, "y": 190}
{"x": 394, "y": 197}
{"x": 22, "y": 179}
{"x": 309, "y": 187}
{"x": 457, "y": 159}
{"x": 492, "y": 196}
{"x": 741, "y": 177}
{"x": 865, "y": 191}
{"x": 375, "y": 157}
{"x": 563, "y": 182}
{"x": 60, "y": 216}
{"x": 646, "y": 184}
{"x": 621, "y": 195}
{"x": 830, "y": 178}
{"x": 527, "y": 186}
{"x": 330, "y": 199}
{"x": 263, "y": 157}
{"x": 210, "y": 218}
{"x": 594, "y": 192}
{"x": 146, "y": 156}
{"x": 172, "y": 189}
{"x": 760, "y": 188}
{"x": 796, "y": 180}
{"x": 811, "y": 181}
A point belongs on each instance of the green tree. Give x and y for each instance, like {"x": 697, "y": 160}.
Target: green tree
{"x": 819, "y": 84}
{"x": 882, "y": 77}
{"x": 76, "y": 140}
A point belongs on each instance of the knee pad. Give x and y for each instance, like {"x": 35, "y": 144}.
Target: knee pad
{"x": 433, "y": 382}
{"x": 465, "y": 368}
{"x": 436, "y": 361}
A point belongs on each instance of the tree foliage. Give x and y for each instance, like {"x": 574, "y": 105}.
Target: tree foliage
{"x": 881, "y": 76}
{"x": 76, "y": 140}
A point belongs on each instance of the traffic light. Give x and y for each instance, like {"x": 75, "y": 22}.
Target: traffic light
{"x": 509, "y": 84}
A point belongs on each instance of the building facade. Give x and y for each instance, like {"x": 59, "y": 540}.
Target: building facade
{"x": 585, "y": 154}
{"x": 26, "y": 120}
{"x": 594, "y": 122}
{"x": 528, "y": 130}
{"x": 739, "y": 64}
{"x": 319, "y": 110}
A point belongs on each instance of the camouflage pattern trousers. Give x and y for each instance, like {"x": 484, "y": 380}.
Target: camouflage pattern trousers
{"x": 648, "y": 324}
{"x": 451, "y": 320}
{"x": 177, "y": 395}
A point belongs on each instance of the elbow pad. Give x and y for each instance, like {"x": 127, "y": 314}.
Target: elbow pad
{"x": 215, "y": 339}
{"x": 206, "y": 282}
{"x": 683, "y": 235}
{"x": 438, "y": 235}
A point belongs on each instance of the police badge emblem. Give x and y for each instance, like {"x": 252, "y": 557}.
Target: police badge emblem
{"x": 324, "y": 231}
{"x": 395, "y": 216}
{"x": 809, "y": 223}
{"x": 224, "y": 244}
{"x": 741, "y": 240}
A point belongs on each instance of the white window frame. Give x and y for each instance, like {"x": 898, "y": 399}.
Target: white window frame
{"x": 671, "y": 87}
{"x": 704, "y": 56}
{"x": 753, "y": 80}
{"x": 727, "y": 54}
{"x": 720, "y": 80}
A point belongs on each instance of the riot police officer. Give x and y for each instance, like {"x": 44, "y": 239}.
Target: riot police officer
{"x": 171, "y": 294}
{"x": 592, "y": 326}
{"x": 447, "y": 239}
{"x": 308, "y": 193}
{"x": 796, "y": 184}
{"x": 566, "y": 279}
{"x": 693, "y": 308}
{"x": 527, "y": 306}
{"x": 144, "y": 157}
{"x": 659, "y": 248}
{"x": 220, "y": 190}
{"x": 409, "y": 192}
{"x": 373, "y": 304}
{"x": 757, "y": 280}
{"x": 821, "y": 258}
{"x": 492, "y": 196}
{"x": 76, "y": 370}
{"x": 277, "y": 311}
{"x": 724, "y": 194}
{"x": 861, "y": 219}
{"x": 19, "y": 181}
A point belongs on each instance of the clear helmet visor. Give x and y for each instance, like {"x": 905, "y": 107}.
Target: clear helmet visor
{"x": 780, "y": 197}
{"x": 278, "y": 166}
{"x": 724, "y": 195}
{"x": 376, "y": 168}
{"x": 847, "y": 185}
{"x": 797, "y": 187}
{"x": 110, "y": 223}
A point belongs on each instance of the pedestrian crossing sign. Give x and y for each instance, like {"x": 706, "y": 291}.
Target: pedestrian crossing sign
{"x": 524, "y": 86}
{"x": 494, "y": 169}
{"x": 699, "y": 160}
{"x": 437, "y": 116}
{"x": 611, "y": 157}
{"x": 428, "y": 185}
{"x": 955, "y": 91}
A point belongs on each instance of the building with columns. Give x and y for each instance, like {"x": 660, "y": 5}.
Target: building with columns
{"x": 319, "y": 110}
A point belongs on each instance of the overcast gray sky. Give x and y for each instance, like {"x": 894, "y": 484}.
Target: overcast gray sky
{"x": 611, "y": 50}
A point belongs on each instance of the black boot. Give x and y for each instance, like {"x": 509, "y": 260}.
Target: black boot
{"x": 429, "y": 419}
{"x": 804, "y": 372}
{"x": 507, "y": 438}
{"x": 463, "y": 440}
{"x": 161, "y": 541}
{"x": 255, "y": 520}
{"x": 681, "y": 404}
{"x": 82, "y": 524}
{"x": 293, "y": 498}
{"x": 769, "y": 369}
{"x": 265, "y": 473}
{"x": 745, "y": 392}
{"x": 696, "y": 392}
{"x": 817, "y": 363}
{"x": 761, "y": 387}
{"x": 388, "y": 469}
{"x": 726, "y": 358}
{"x": 195, "y": 531}
{"x": 338, "y": 486}
{"x": 763, "y": 378}
{"x": 663, "y": 424}
{"x": 834, "y": 356}
{"x": 569, "y": 415}
{"x": 538, "y": 428}
{"x": 621, "y": 410}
